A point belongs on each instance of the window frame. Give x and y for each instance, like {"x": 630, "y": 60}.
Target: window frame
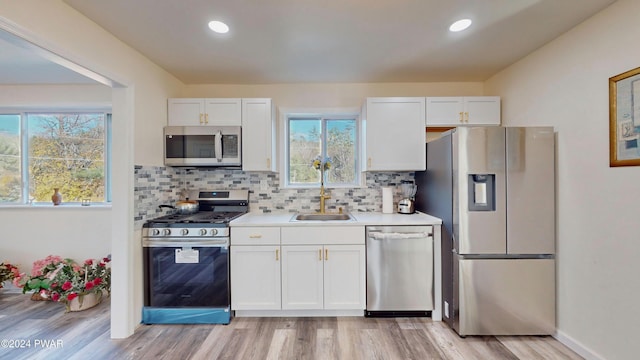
{"x": 24, "y": 149}
{"x": 322, "y": 115}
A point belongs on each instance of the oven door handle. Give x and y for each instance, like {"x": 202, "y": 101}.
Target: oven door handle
{"x": 186, "y": 244}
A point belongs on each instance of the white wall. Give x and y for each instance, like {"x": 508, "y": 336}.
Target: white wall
{"x": 78, "y": 233}
{"x": 55, "y": 96}
{"x": 139, "y": 112}
{"x": 565, "y": 84}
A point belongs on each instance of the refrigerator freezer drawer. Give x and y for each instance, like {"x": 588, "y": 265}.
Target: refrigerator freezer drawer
{"x": 506, "y": 296}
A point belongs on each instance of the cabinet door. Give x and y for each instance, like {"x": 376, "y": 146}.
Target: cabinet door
{"x": 482, "y": 110}
{"x": 258, "y": 135}
{"x": 344, "y": 277}
{"x": 461, "y": 111}
{"x": 445, "y": 111}
{"x": 223, "y": 112}
{"x": 255, "y": 278}
{"x": 302, "y": 274}
{"x": 185, "y": 112}
{"x": 395, "y": 134}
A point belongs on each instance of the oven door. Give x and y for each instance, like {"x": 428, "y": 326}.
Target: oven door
{"x": 202, "y": 146}
{"x": 186, "y": 274}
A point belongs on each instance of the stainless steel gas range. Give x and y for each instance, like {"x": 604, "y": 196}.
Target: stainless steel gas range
{"x": 186, "y": 261}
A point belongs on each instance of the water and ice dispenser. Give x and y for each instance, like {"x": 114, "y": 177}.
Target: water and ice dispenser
{"x": 482, "y": 189}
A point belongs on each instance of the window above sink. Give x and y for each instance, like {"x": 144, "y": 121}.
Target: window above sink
{"x": 332, "y": 136}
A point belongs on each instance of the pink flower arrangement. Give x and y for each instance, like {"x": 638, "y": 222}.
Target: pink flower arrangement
{"x": 8, "y": 272}
{"x": 74, "y": 281}
{"x": 42, "y": 274}
{"x": 64, "y": 280}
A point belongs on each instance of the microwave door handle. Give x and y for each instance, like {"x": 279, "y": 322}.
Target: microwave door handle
{"x": 218, "y": 145}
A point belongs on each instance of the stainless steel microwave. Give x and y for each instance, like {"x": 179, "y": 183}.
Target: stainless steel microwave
{"x": 203, "y": 146}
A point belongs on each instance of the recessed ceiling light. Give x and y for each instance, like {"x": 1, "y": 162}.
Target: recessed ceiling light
{"x": 219, "y": 27}
{"x": 460, "y": 25}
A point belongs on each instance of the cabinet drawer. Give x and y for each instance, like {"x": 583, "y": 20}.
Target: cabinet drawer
{"x": 255, "y": 235}
{"x": 321, "y": 235}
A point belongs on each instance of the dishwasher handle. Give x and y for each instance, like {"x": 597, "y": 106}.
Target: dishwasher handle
{"x": 377, "y": 235}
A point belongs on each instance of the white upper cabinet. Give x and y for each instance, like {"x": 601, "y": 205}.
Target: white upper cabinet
{"x": 394, "y": 131}
{"x": 258, "y": 135}
{"x": 206, "y": 112}
{"x": 463, "y": 111}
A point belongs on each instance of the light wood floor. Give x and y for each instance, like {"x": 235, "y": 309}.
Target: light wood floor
{"x": 52, "y": 334}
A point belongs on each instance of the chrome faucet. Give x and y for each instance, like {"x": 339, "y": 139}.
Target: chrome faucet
{"x": 323, "y": 197}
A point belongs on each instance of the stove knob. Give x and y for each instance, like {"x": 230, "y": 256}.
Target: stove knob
{"x": 214, "y": 232}
{"x": 155, "y": 232}
{"x": 203, "y": 232}
{"x": 184, "y": 231}
{"x": 166, "y": 232}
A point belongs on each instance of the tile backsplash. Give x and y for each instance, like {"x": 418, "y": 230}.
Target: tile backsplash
{"x": 156, "y": 185}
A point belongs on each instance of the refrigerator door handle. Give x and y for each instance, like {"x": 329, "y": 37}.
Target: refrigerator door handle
{"x": 454, "y": 247}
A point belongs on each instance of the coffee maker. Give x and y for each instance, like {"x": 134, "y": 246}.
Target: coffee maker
{"x": 407, "y": 204}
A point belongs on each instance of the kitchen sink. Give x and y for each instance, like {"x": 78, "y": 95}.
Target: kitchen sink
{"x": 322, "y": 217}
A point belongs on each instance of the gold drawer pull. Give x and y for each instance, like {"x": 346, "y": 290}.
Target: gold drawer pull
{"x": 277, "y": 254}
{"x": 206, "y": 118}
{"x": 320, "y": 254}
{"x": 258, "y": 236}
{"x": 326, "y": 254}
{"x": 201, "y": 122}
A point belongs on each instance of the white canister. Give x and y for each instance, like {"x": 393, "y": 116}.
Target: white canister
{"x": 387, "y": 200}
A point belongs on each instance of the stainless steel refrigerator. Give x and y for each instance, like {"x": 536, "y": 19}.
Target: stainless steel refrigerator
{"x": 494, "y": 189}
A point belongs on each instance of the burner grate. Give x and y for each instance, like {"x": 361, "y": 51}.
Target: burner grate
{"x": 200, "y": 217}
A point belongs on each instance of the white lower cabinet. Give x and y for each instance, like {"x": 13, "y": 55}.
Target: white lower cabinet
{"x": 255, "y": 283}
{"x": 344, "y": 277}
{"x": 306, "y": 270}
{"x": 323, "y": 268}
{"x": 302, "y": 277}
{"x": 255, "y": 268}
{"x": 316, "y": 277}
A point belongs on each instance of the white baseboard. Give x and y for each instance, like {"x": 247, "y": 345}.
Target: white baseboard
{"x": 576, "y": 346}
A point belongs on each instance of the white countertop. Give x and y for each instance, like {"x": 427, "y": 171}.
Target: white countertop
{"x": 361, "y": 218}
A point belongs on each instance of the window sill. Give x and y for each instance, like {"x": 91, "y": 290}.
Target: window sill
{"x": 51, "y": 206}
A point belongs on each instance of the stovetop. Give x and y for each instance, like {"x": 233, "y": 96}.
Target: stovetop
{"x": 202, "y": 217}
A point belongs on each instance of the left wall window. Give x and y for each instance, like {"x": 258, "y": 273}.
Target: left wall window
{"x": 45, "y": 150}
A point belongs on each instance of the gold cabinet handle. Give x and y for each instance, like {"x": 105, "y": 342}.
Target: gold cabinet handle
{"x": 257, "y": 236}
{"x": 466, "y": 116}
{"x": 206, "y": 118}
{"x": 268, "y": 163}
{"x": 277, "y": 254}
{"x": 320, "y": 254}
{"x": 369, "y": 162}
{"x": 201, "y": 119}
{"x": 326, "y": 254}
{"x": 461, "y": 117}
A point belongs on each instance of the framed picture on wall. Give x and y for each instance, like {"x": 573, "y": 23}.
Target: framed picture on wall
{"x": 624, "y": 119}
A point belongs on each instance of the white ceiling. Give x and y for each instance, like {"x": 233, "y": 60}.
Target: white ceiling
{"x": 301, "y": 41}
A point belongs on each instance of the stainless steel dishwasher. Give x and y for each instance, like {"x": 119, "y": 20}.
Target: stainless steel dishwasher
{"x": 399, "y": 271}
